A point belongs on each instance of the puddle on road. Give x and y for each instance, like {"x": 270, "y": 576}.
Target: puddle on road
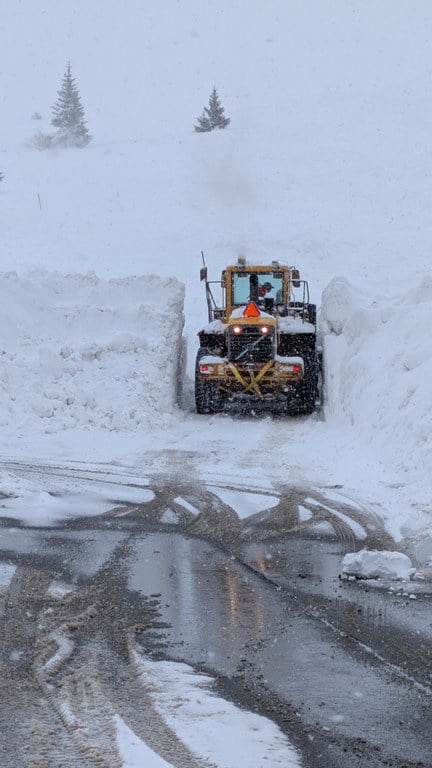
{"x": 214, "y": 612}
{"x": 243, "y": 583}
{"x": 223, "y": 619}
{"x": 315, "y": 561}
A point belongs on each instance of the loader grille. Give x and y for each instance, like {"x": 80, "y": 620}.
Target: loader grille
{"x": 251, "y": 346}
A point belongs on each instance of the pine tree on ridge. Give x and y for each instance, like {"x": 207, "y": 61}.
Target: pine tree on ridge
{"x": 213, "y": 116}
{"x": 68, "y": 114}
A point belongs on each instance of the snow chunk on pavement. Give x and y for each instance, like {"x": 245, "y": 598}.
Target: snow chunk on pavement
{"x": 373, "y": 564}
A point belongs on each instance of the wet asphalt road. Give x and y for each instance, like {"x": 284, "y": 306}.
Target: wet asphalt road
{"x": 344, "y": 668}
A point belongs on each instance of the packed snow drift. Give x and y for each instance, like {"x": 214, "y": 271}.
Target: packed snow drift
{"x": 80, "y": 351}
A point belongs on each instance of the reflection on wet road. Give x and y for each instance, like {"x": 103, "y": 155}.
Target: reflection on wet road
{"x": 239, "y": 582}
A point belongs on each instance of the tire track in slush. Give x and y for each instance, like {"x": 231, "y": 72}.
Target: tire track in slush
{"x": 86, "y": 672}
{"x": 199, "y": 510}
{"x": 60, "y": 693}
{"x": 30, "y": 736}
{"x": 73, "y": 669}
{"x": 211, "y": 513}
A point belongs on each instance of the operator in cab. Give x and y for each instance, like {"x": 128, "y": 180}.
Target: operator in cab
{"x": 266, "y": 296}
{"x": 265, "y": 291}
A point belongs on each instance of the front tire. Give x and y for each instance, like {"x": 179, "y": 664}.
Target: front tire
{"x": 208, "y": 396}
{"x": 302, "y": 402}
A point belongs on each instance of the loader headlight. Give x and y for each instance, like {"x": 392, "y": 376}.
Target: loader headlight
{"x": 237, "y": 329}
{"x": 264, "y": 329}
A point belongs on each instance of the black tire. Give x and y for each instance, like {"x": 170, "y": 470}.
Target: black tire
{"x": 312, "y": 313}
{"x": 302, "y": 402}
{"x": 208, "y": 396}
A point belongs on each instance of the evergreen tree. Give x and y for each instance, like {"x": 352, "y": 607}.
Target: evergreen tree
{"x": 1, "y": 175}
{"x": 68, "y": 114}
{"x": 212, "y": 116}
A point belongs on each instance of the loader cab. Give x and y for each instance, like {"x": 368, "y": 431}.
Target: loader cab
{"x": 250, "y": 285}
{"x": 266, "y": 287}
{"x": 284, "y": 295}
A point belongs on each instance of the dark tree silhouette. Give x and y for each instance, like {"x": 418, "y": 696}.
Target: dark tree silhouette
{"x": 1, "y": 175}
{"x": 213, "y": 116}
{"x": 68, "y": 115}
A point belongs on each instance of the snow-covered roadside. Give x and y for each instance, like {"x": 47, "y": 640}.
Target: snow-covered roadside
{"x": 378, "y": 397}
{"x": 79, "y": 351}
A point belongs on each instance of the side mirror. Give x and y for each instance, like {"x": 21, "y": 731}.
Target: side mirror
{"x": 295, "y": 278}
{"x": 203, "y": 273}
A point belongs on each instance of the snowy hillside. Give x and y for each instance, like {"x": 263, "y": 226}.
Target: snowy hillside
{"x": 326, "y": 161}
{"x": 326, "y": 164}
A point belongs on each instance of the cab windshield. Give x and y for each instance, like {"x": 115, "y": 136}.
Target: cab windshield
{"x": 269, "y": 286}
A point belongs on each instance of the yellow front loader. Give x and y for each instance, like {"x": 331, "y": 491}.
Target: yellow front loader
{"x": 259, "y": 347}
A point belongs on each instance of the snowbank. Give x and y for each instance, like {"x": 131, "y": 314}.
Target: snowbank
{"x": 76, "y": 350}
{"x": 379, "y": 365}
